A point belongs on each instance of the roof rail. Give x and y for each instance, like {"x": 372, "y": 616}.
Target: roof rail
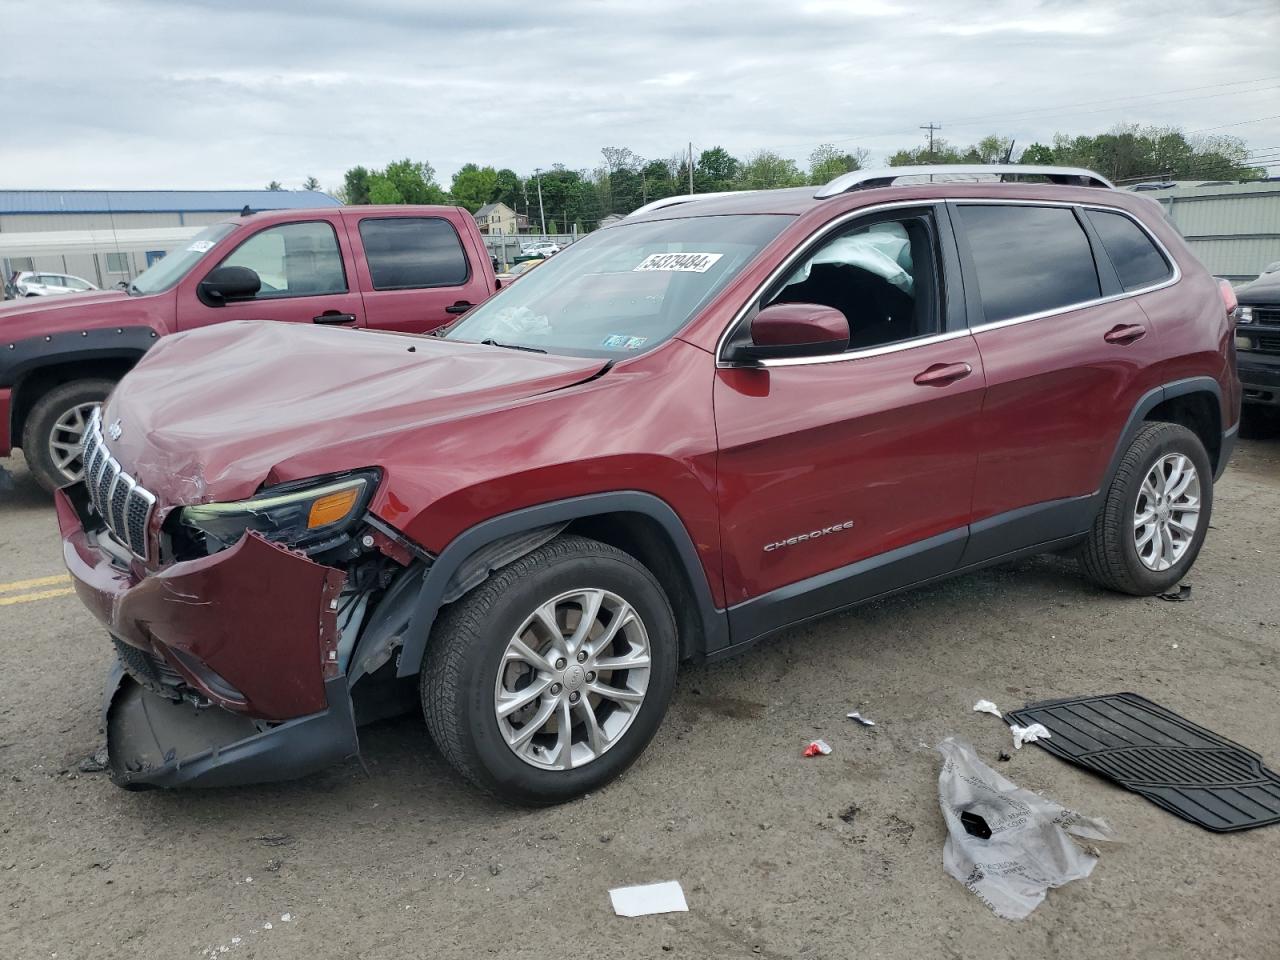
{"x": 885, "y": 176}
{"x": 683, "y": 198}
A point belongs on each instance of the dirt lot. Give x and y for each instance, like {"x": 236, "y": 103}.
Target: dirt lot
{"x": 403, "y": 861}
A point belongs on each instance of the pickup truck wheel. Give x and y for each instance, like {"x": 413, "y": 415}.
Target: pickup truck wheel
{"x": 1155, "y": 515}
{"x": 55, "y": 428}
{"x": 550, "y": 678}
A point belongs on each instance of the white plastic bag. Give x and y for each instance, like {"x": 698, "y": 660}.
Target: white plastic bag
{"x": 1028, "y": 850}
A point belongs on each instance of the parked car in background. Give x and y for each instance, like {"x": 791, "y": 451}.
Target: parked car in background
{"x": 1258, "y": 339}
{"x": 544, "y": 248}
{"x": 714, "y": 420}
{"x": 41, "y": 284}
{"x": 519, "y": 270}
{"x": 403, "y": 268}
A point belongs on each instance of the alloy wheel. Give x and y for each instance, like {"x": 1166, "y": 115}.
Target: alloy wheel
{"x": 66, "y": 440}
{"x": 1167, "y": 513}
{"x": 572, "y": 679}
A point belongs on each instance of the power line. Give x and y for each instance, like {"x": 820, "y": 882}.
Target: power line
{"x": 1240, "y": 123}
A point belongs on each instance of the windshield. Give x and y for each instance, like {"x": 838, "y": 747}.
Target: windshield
{"x": 169, "y": 269}
{"x": 622, "y": 290}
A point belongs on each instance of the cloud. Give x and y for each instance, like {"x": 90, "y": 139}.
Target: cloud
{"x": 188, "y": 93}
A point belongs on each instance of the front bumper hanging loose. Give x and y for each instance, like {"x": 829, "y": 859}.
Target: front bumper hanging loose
{"x": 244, "y": 641}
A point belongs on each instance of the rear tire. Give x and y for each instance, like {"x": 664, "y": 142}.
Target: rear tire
{"x": 483, "y": 656}
{"x": 49, "y": 436}
{"x": 1155, "y": 514}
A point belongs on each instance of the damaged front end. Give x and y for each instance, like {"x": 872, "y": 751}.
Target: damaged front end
{"x": 237, "y": 627}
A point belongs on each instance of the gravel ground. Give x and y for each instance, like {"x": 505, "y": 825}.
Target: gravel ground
{"x": 779, "y": 856}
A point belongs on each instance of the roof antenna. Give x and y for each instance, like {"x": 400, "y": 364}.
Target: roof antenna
{"x": 246, "y": 211}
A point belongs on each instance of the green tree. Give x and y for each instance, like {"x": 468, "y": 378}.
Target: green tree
{"x": 474, "y": 186}
{"x": 942, "y": 152}
{"x": 311, "y": 183}
{"x": 826, "y": 163}
{"x": 1133, "y": 152}
{"x": 355, "y": 186}
{"x": 415, "y": 181}
{"x": 274, "y": 186}
{"x": 508, "y": 189}
{"x": 553, "y": 227}
{"x": 766, "y": 170}
{"x": 715, "y": 170}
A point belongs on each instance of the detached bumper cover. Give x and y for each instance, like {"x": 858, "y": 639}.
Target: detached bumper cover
{"x": 154, "y": 742}
{"x": 252, "y": 628}
{"x": 249, "y": 633}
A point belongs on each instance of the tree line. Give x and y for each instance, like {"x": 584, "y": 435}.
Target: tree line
{"x": 624, "y": 180}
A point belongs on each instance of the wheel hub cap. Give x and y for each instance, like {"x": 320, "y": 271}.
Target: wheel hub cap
{"x": 66, "y": 440}
{"x": 559, "y": 717}
{"x": 1167, "y": 512}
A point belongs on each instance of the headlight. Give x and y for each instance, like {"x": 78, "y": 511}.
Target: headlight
{"x": 300, "y": 514}
{"x": 1244, "y": 315}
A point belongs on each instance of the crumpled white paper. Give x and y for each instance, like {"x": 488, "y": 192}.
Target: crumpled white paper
{"x": 1030, "y": 734}
{"x": 1029, "y": 849}
{"x": 986, "y": 706}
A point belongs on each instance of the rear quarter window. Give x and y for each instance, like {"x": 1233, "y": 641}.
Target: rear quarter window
{"x": 1028, "y": 259}
{"x": 406, "y": 253}
{"x": 1133, "y": 254}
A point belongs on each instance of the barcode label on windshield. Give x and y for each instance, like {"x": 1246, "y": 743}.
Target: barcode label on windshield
{"x": 683, "y": 262}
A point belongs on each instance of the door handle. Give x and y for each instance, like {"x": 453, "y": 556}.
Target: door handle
{"x": 460, "y": 307}
{"x": 1125, "y": 333}
{"x": 940, "y": 374}
{"x": 334, "y": 316}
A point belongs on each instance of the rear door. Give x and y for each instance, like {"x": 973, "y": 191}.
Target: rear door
{"x": 862, "y": 458}
{"x": 417, "y": 271}
{"x": 304, "y": 269}
{"x": 1067, "y": 352}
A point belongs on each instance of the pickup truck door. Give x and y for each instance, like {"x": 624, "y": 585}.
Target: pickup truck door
{"x": 417, "y": 271}
{"x": 306, "y": 272}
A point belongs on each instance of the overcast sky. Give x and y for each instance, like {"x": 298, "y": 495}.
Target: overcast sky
{"x": 234, "y": 93}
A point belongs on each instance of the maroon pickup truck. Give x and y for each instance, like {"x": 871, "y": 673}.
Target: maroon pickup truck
{"x": 409, "y": 269}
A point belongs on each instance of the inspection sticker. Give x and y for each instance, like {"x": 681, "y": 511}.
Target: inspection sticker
{"x": 201, "y": 246}
{"x": 681, "y": 262}
{"x": 620, "y": 342}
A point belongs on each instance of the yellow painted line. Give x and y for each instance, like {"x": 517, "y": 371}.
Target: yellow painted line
{"x": 38, "y": 595}
{"x": 28, "y": 584}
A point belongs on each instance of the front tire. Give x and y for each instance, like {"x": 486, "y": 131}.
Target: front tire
{"x": 1155, "y": 515}
{"x": 55, "y": 427}
{"x": 550, "y": 678}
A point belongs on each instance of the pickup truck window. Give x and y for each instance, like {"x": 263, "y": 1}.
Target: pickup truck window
{"x": 624, "y": 290}
{"x": 168, "y": 270}
{"x": 293, "y": 260}
{"x": 407, "y": 253}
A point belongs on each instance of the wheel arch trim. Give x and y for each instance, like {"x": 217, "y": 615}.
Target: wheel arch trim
{"x": 440, "y": 577}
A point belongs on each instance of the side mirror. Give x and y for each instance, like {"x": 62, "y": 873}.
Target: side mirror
{"x": 794, "y": 330}
{"x": 228, "y": 283}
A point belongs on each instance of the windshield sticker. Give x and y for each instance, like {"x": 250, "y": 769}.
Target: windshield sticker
{"x": 680, "y": 262}
{"x": 621, "y": 342}
{"x": 201, "y": 246}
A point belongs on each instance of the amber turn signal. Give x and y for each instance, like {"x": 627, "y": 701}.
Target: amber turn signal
{"x": 332, "y": 507}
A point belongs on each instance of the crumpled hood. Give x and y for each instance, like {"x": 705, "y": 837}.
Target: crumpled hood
{"x": 208, "y": 414}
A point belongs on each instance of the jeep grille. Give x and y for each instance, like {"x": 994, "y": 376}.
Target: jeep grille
{"x": 124, "y": 506}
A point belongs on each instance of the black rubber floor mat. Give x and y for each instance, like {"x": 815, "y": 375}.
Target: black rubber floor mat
{"x": 1188, "y": 770}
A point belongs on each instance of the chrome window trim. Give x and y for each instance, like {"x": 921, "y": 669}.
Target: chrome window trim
{"x": 844, "y": 218}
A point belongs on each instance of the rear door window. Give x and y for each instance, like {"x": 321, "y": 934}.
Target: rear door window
{"x": 408, "y": 253}
{"x": 1028, "y": 259}
{"x": 1133, "y": 254}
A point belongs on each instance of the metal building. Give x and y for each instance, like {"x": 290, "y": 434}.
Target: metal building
{"x": 1234, "y": 228}
{"x": 109, "y": 236}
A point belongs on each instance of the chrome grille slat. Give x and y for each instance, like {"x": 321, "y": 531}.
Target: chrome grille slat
{"x": 124, "y": 506}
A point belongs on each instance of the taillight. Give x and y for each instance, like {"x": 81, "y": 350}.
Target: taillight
{"x": 1228, "y": 297}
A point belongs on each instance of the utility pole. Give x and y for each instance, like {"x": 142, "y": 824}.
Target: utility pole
{"x": 542, "y": 217}
{"x": 931, "y": 127}
{"x": 691, "y": 166}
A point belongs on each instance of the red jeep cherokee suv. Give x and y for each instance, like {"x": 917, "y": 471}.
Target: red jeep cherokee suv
{"x": 717, "y": 419}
